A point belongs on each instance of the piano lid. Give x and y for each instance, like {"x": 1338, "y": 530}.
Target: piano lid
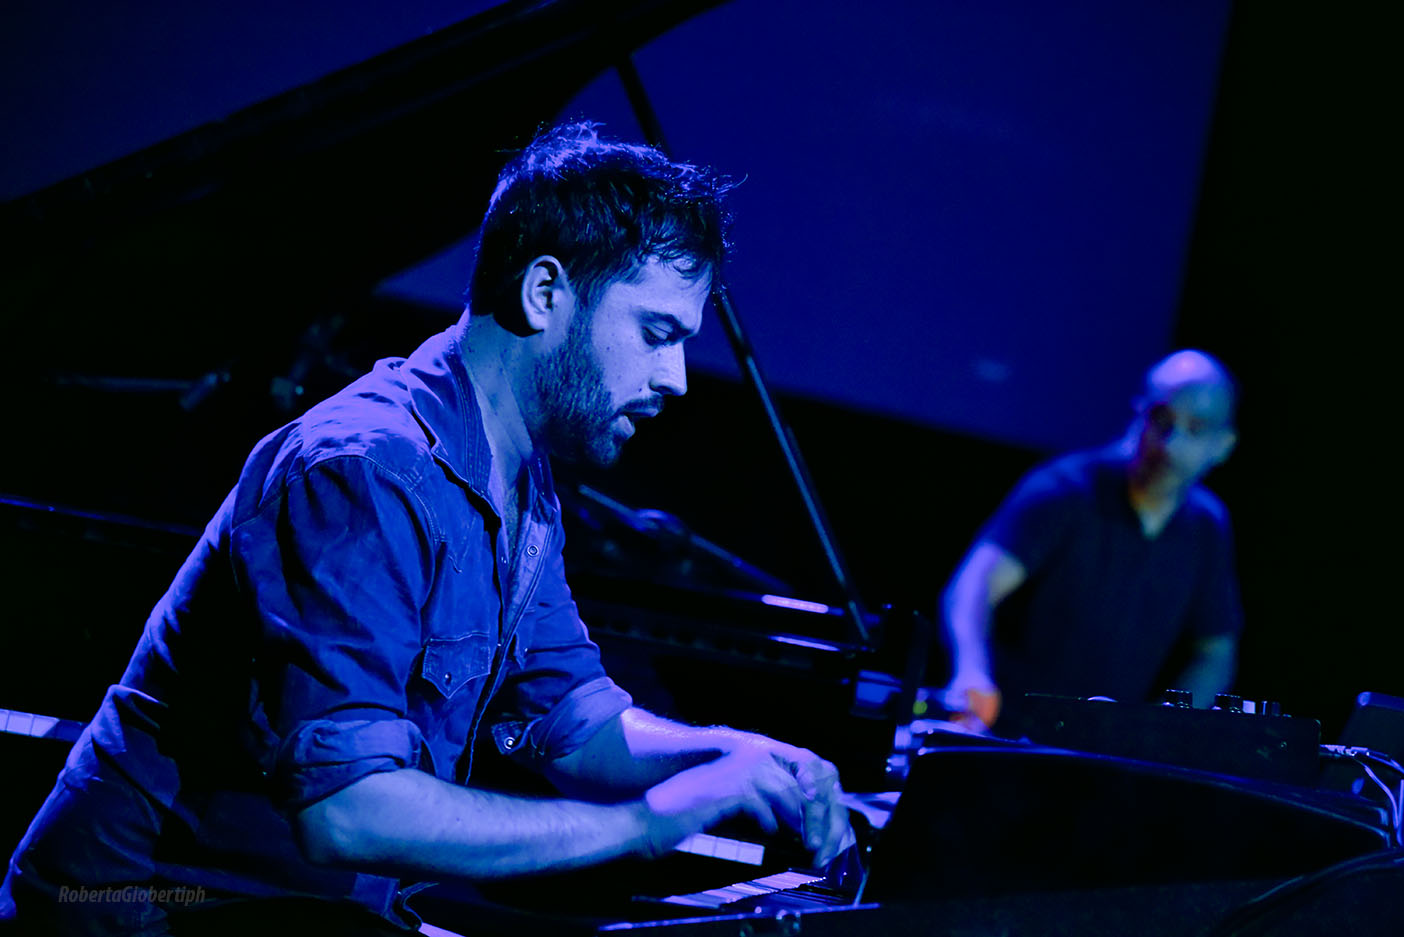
{"x": 303, "y": 201}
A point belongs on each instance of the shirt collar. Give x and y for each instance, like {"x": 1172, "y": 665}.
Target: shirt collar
{"x": 443, "y": 402}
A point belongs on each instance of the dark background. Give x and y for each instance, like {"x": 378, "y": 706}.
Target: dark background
{"x": 1272, "y": 242}
{"x": 967, "y": 215}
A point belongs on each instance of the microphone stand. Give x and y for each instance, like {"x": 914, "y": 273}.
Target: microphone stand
{"x": 745, "y": 357}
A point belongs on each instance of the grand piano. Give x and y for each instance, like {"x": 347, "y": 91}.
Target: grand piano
{"x": 178, "y": 302}
{"x": 222, "y": 279}
{"x": 175, "y": 304}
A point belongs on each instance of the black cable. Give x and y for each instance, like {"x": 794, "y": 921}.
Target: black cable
{"x": 1362, "y": 757}
{"x": 1291, "y": 893}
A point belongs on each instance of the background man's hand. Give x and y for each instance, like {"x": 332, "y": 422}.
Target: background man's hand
{"x": 973, "y": 700}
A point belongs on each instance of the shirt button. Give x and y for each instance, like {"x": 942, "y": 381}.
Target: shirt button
{"x": 532, "y": 551}
{"x": 448, "y": 678}
{"x": 508, "y": 743}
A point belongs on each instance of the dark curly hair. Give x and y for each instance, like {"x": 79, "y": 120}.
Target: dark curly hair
{"x": 600, "y": 207}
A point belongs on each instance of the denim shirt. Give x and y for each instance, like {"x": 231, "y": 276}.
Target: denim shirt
{"x": 352, "y": 608}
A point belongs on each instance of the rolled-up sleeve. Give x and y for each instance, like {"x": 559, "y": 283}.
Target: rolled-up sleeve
{"x": 574, "y": 719}
{"x": 558, "y": 696}
{"x": 323, "y": 756}
{"x": 336, "y": 565}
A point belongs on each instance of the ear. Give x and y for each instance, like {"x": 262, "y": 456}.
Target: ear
{"x": 546, "y": 294}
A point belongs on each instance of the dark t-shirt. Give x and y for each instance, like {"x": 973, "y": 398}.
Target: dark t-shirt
{"x": 1104, "y": 606}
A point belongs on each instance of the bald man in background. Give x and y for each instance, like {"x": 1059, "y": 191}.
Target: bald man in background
{"x": 1107, "y": 572}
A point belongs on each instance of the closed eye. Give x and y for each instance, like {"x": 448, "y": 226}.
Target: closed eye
{"x": 662, "y": 328}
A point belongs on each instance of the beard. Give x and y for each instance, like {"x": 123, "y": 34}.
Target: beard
{"x": 578, "y": 414}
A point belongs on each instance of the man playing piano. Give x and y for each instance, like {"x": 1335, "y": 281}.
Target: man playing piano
{"x": 384, "y": 585}
{"x": 1108, "y": 560}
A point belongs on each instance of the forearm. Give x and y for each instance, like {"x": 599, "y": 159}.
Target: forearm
{"x": 966, "y": 616}
{"x": 1207, "y": 674}
{"x": 986, "y": 577}
{"x": 411, "y": 822}
{"x": 635, "y": 751}
{"x": 695, "y": 776}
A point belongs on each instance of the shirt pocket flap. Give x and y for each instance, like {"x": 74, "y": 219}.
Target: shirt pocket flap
{"x": 449, "y": 663}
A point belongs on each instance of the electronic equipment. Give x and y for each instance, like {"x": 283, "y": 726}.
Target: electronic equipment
{"x": 1232, "y": 742}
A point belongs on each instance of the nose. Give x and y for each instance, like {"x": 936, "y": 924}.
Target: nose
{"x": 670, "y": 376}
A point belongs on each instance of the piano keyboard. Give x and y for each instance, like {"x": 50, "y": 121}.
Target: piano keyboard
{"x": 723, "y": 847}
{"x": 39, "y": 727}
{"x": 796, "y": 888}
